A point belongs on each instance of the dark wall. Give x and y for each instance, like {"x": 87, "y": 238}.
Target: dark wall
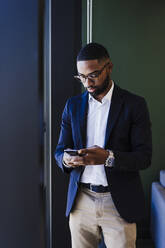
{"x": 66, "y": 42}
{"x": 19, "y": 125}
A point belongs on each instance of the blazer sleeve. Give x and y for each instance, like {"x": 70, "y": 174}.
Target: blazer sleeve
{"x": 139, "y": 157}
{"x": 65, "y": 139}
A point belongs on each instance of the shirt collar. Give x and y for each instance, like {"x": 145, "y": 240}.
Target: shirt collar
{"x": 107, "y": 97}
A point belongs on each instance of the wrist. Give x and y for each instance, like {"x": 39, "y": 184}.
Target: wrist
{"x": 110, "y": 159}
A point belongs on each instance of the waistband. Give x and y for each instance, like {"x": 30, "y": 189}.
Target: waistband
{"x": 95, "y": 188}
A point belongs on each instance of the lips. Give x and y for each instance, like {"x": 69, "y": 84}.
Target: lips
{"x": 91, "y": 89}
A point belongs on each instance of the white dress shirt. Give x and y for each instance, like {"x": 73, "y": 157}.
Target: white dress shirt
{"x": 96, "y": 129}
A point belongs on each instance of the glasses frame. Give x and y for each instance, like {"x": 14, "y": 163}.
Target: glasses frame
{"x": 91, "y": 76}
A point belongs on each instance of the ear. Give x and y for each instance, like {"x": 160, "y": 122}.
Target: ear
{"x": 110, "y": 66}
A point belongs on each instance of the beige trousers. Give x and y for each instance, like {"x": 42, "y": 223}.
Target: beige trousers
{"x": 95, "y": 213}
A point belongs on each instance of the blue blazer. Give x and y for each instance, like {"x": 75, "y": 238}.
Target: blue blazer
{"x": 128, "y": 135}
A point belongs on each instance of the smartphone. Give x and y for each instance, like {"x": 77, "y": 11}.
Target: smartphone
{"x": 72, "y": 152}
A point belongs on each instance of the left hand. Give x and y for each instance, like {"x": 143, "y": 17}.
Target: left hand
{"x": 94, "y": 155}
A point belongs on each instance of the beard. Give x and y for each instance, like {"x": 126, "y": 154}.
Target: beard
{"x": 101, "y": 89}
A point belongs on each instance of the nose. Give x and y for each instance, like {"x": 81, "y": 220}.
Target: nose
{"x": 88, "y": 82}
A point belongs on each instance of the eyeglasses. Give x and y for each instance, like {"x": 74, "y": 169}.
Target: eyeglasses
{"x": 92, "y": 76}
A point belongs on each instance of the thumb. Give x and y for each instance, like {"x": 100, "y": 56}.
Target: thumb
{"x": 82, "y": 151}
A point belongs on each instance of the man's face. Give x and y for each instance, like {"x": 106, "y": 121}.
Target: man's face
{"x": 95, "y": 76}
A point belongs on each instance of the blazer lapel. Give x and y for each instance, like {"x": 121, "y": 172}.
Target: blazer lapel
{"x": 116, "y": 104}
{"x": 82, "y": 119}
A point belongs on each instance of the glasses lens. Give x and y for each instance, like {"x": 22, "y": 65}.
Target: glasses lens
{"x": 94, "y": 75}
{"x": 77, "y": 78}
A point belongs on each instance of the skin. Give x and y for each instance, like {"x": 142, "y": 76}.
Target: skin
{"x": 98, "y": 88}
{"x": 89, "y": 66}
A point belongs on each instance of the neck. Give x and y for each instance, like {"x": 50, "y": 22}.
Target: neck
{"x": 100, "y": 97}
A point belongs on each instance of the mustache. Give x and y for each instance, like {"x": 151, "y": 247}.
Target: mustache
{"x": 91, "y": 87}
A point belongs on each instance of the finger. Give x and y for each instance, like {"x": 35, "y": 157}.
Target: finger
{"x": 75, "y": 164}
{"x": 70, "y": 164}
{"x": 66, "y": 159}
{"x": 76, "y": 159}
{"x": 88, "y": 150}
{"x": 82, "y": 151}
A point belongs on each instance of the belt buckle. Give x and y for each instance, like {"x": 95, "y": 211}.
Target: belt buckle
{"x": 91, "y": 185}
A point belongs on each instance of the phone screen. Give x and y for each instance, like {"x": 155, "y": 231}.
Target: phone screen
{"x": 72, "y": 152}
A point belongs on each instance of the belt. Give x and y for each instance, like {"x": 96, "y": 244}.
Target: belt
{"x": 95, "y": 188}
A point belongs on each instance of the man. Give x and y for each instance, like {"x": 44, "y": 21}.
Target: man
{"x": 110, "y": 128}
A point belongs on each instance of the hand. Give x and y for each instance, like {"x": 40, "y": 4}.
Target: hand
{"x": 94, "y": 155}
{"x": 68, "y": 158}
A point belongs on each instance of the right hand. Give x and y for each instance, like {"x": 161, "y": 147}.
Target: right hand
{"x": 70, "y": 160}
{"x": 67, "y": 158}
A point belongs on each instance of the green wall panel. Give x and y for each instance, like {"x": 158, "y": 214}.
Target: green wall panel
{"x": 133, "y": 33}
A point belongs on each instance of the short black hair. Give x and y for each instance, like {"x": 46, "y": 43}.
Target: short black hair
{"x": 92, "y": 51}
